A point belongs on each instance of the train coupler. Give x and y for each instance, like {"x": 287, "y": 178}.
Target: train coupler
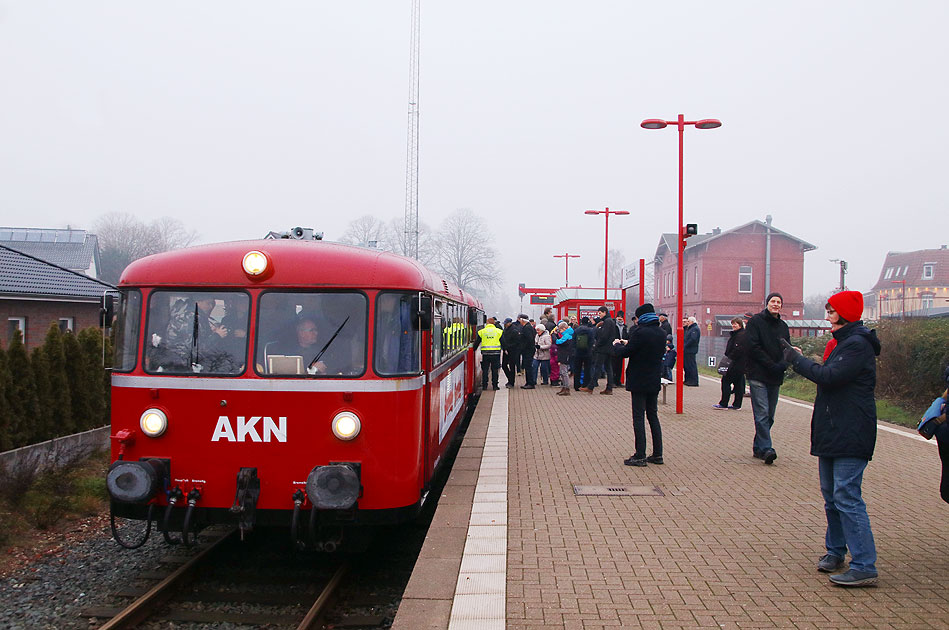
{"x": 245, "y": 500}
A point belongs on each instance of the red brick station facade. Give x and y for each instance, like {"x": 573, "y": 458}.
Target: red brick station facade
{"x": 730, "y": 272}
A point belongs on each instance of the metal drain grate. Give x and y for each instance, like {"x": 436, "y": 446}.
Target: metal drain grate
{"x": 618, "y": 491}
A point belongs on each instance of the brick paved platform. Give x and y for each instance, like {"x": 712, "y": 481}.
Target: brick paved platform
{"x": 730, "y": 543}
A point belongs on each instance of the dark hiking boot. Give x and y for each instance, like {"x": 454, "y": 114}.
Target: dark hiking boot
{"x": 635, "y": 461}
{"x": 769, "y": 456}
{"x": 654, "y": 459}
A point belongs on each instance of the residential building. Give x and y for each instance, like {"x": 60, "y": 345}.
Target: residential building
{"x": 76, "y": 250}
{"x": 911, "y": 284}
{"x": 35, "y": 293}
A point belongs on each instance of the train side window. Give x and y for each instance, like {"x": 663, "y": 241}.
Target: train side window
{"x": 439, "y": 341}
{"x": 311, "y": 334}
{"x": 127, "y": 324}
{"x": 396, "y": 340}
{"x": 192, "y": 332}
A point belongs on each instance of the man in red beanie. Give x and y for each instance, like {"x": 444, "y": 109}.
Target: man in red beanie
{"x": 843, "y": 436}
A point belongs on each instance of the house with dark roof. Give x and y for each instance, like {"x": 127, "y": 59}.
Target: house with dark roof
{"x": 69, "y": 248}
{"x": 911, "y": 284}
{"x": 730, "y": 272}
{"x": 35, "y": 293}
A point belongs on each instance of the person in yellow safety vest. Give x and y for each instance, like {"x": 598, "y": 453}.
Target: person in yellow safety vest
{"x": 489, "y": 338}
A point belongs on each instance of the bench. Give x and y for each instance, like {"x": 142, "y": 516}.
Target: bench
{"x": 665, "y": 383}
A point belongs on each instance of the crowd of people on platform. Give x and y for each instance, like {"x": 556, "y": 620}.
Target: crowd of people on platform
{"x": 843, "y": 424}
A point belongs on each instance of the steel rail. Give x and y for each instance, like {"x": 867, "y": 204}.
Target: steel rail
{"x": 142, "y": 607}
{"x": 322, "y": 602}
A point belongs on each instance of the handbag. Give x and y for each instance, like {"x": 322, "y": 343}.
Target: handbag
{"x": 723, "y": 364}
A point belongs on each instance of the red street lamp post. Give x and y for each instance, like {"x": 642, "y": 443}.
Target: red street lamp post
{"x": 680, "y": 123}
{"x": 566, "y": 259}
{"x": 606, "y": 250}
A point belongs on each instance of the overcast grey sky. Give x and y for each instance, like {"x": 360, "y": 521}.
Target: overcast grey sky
{"x": 239, "y": 117}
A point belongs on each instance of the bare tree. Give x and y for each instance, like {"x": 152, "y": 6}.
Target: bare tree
{"x": 617, "y": 262}
{"x": 814, "y": 305}
{"x": 367, "y": 231}
{"x": 464, "y": 253}
{"x": 400, "y": 244}
{"x": 167, "y": 234}
{"x": 124, "y": 238}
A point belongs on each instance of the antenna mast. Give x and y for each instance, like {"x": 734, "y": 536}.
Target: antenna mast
{"x": 411, "y": 161}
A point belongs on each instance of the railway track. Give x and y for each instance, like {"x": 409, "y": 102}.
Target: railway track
{"x": 227, "y": 583}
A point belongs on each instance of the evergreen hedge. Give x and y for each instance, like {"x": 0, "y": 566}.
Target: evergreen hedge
{"x": 59, "y": 389}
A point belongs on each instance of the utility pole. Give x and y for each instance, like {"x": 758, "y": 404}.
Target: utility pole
{"x": 411, "y": 158}
{"x": 843, "y": 272}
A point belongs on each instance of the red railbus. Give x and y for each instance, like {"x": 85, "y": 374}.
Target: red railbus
{"x": 285, "y": 382}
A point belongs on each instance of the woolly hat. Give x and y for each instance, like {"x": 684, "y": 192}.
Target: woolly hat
{"x": 645, "y": 308}
{"x": 508, "y": 321}
{"x": 848, "y": 304}
{"x": 522, "y": 316}
{"x": 774, "y": 294}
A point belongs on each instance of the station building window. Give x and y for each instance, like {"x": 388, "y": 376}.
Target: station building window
{"x": 744, "y": 279}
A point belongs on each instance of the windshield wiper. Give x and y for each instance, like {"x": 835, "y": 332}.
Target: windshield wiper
{"x": 319, "y": 356}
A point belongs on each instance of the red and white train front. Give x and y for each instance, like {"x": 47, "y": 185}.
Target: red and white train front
{"x": 284, "y": 382}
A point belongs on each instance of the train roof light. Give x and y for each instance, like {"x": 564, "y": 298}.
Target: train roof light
{"x": 255, "y": 263}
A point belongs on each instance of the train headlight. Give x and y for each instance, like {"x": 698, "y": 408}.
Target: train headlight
{"x": 153, "y": 422}
{"x": 255, "y": 263}
{"x": 346, "y": 425}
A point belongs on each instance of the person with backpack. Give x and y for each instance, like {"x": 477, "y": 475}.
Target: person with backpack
{"x": 582, "y": 347}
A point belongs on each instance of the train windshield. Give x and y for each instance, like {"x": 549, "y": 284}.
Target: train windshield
{"x": 311, "y": 334}
{"x": 127, "y": 323}
{"x": 191, "y": 332}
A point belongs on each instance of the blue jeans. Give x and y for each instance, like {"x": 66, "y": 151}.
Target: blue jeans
{"x": 848, "y": 525}
{"x": 764, "y": 400}
{"x": 544, "y": 365}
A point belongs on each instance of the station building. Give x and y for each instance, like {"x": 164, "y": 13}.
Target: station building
{"x": 730, "y": 272}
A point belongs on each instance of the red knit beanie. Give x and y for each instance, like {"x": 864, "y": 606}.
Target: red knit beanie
{"x": 848, "y": 304}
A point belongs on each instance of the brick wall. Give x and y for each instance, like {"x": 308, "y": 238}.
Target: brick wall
{"x": 39, "y": 315}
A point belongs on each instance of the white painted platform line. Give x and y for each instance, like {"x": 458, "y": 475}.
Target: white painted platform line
{"x": 481, "y": 590}
{"x": 905, "y": 433}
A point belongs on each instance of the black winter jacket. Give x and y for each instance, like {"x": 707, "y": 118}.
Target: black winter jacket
{"x": 666, "y": 327}
{"x": 690, "y": 343}
{"x": 844, "y": 422}
{"x": 527, "y": 338}
{"x": 735, "y": 350}
{"x": 510, "y": 339}
{"x": 606, "y": 332}
{"x": 764, "y": 357}
{"x": 646, "y": 347}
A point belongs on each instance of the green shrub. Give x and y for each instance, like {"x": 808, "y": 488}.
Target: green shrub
{"x": 914, "y": 354}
